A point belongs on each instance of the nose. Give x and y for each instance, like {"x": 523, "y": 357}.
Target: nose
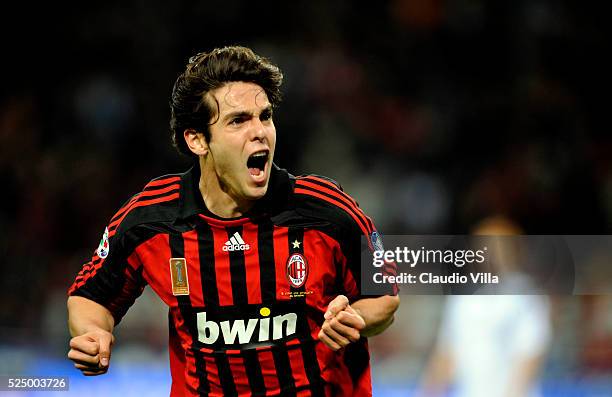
{"x": 258, "y": 130}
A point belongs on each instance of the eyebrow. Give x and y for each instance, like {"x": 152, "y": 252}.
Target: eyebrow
{"x": 244, "y": 113}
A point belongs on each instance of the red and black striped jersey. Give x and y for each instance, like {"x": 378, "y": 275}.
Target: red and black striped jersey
{"x": 246, "y": 296}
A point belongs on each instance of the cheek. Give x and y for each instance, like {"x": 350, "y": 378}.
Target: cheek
{"x": 224, "y": 158}
{"x": 272, "y": 136}
{"x": 230, "y": 160}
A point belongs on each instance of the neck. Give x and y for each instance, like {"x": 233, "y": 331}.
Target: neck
{"x": 218, "y": 197}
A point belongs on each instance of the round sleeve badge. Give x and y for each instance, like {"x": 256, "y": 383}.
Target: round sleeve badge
{"x": 376, "y": 240}
{"x": 104, "y": 247}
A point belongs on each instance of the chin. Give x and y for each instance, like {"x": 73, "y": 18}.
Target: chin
{"x": 257, "y": 193}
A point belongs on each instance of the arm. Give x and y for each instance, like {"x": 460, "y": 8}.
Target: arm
{"x": 377, "y": 313}
{"x": 91, "y": 326}
{"x": 345, "y": 323}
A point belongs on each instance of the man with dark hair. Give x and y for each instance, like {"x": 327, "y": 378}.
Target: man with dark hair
{"x": 260, "y": 269}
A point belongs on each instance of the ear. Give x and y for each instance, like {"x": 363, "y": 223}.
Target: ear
{"x": 196, "y": 142}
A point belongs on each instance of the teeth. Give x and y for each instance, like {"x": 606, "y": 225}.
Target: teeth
{"x": 258, "y": 160}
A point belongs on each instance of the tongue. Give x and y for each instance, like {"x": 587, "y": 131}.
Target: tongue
{"x": 254, "y": 171}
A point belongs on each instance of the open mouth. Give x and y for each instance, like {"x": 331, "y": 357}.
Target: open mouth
{"x": 257, "y": 162}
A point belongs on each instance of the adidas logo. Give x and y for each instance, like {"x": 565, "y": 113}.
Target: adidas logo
{"x": 236, "y": 243}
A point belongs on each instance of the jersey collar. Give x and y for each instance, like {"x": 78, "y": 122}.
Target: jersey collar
{"x": 276, "y": 199}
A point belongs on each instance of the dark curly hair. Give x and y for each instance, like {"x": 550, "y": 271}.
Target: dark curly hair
{"x": 207, "y": 71}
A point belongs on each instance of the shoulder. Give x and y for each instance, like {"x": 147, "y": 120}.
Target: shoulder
{"x": 157, "y": 201}
{"x": 322, "y": 197}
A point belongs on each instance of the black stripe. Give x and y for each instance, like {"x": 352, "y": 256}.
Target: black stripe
{"x": 283, "y": 370}
{"x": 143, "y": 207}
{"x": 210, "y": 292}
{"x": 336, "y": 188}
{"x": 165, "y": 185}
{"x": 253, "y": 371}
{"x": 207, "y": 265}
{"x": 351, "y": 207}
{"x": 267, "y": 268}
{"x": 240, "y": 297}
{"x": 296, "y": 246}
{"x": 177, "y": 250}
{"x": 309, "y": 355}
{"x": 127, "y": 207}
{"x": 84, "y": 272}
{"x": 160, "y": 195}
{"x": 353, "y": 204}
{"x": 309, "y": 178}
{"x": 237, "y": 270}
{"x": 225, "y": 374}
{"x": 124, "y": 208}
{"x": 357, "y": 354}
{"x": 296, "y": 234}
{"x": 164, "y": 177}
{"x": 90, "y": 268}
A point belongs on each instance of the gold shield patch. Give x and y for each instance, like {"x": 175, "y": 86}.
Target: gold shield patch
{"x": 178, "y": 276}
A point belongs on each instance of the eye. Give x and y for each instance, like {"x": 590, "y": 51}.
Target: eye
{"x": 266, "y": 115}
{"x": 237, "y": 121}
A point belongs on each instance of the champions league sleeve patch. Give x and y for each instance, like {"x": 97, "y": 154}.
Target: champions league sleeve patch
{"x": 104, "y": 247}
{"x": 376, "y": 240}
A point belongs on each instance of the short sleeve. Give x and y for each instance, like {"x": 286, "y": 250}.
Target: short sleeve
{"x": 113, "y": 276}
{"x": 358, "y": 236}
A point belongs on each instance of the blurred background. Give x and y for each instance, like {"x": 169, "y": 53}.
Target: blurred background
{"x": 433, "y": 114}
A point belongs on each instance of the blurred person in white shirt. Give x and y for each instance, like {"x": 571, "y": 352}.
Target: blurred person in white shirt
{"x": 491, "y": 345}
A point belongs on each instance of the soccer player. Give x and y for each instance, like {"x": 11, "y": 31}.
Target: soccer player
{"x": 260, "y": 269}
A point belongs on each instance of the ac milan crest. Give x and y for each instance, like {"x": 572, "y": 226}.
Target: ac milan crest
{"x": 297, "y": 270}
